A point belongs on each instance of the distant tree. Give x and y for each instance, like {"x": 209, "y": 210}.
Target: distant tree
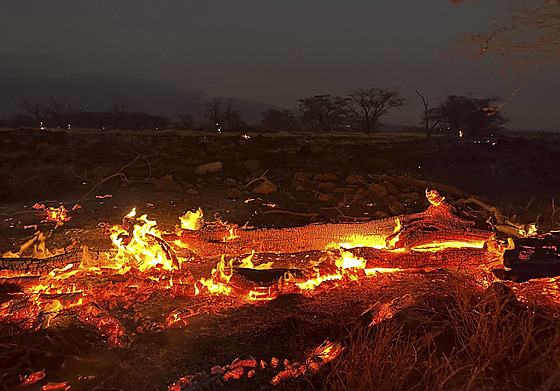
{"x": 368, "y": 106}
{"x": 273, "y": 119}
{"x": 431, "y": 116}
{"x": 324, "y": 112}
{"x": 120, "y": 112}
{"x": 61, "y": 111}
{"x": 234, "y": 121}
{"x": 471, "y": 116}
{"x": 219, "y": 112}
{"x": 36, "y": 108}
{"x": 186, "y": 121}
{"x": 20, "y": 120}
{"x": 527, "y": 40}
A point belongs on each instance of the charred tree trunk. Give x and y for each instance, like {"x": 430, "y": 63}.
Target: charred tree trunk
{"x": 437, "y": 225}
{"x": 532, "y": 257}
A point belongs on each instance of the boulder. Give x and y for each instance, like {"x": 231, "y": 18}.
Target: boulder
{"x": 266, "y": 187}
{"x": 325, "y": 187}
{"x": 208, "y": 168}
{"x": 235, "y": 193}
{"x": 251, "y": 166}
{"x": 354, "y": 179}
{"x": 328, "y": 177}
{"x": 325, "y": 197}
{"x": 378, "y": 191}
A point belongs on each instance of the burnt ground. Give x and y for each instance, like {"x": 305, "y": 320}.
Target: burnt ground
{"x": 312, "y": 178}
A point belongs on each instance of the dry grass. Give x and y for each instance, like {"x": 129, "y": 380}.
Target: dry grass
{"x": 467, "y": 342}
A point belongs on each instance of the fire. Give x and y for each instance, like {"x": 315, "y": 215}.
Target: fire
{"x": 37, "y": 248}
{"x": 141, "y": 248}
{"x": 218, "y": 282}
{"x": 57, "y": 214}
{"x": 143, "y": 263}
{"x": 192, "y": 220}
{"x": 434, "y": 247}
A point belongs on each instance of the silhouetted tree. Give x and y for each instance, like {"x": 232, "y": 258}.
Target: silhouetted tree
{"x": 36, "y": 108}
{"x": 120, "y": 112}
{"x": 186, "y": 121}
{"x": 324, "y": 112}
{"x": 273, "y": 119}
{"x": 219, "y": 113}
{"x": 234, "y": 121}
{"x": 431, "y": 116}
{"x": 471, "y": 116}
{"x": 61, "y": 111}
{"x": 368, "y": 106}
{"x": 527, "y": 40}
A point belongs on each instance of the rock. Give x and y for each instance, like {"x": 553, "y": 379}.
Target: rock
{"x": 415, "y": 197}
{"x": 383, "y": 164}
{"x": 245, "y": 361}
{"x": 402, "y": 197}
{"x": 234, "y": 374}
{"x": 192, "y": 192}
{"x": 390, "y": 199}
{"x": 230, "y": 182}
{"x": 325, "y": 197}
{"x": 378, "y": 191}
{"x": 167, "y": 183}
{"x": 325, "y": 187}
{"x": 300, "y": 177}
{"x": 235, "y": 193}
{"x": 342, "y": 190}
{"x": 208, "y": 168}
{"x": 300, "y": 188}
{"x": 397, "y": 208}
{"x": 354, "y": 179}
{"x": 390, "y": 188}
{"x": 251, "y": 166}
{"x": 328, "y": 177}
{"x": 265, "y": 187}
{"x": 217, "y": 370}
{"x": 380, "y": 214}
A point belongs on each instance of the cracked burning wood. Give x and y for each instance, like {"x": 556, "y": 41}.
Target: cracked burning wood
{"x": 532, "y": 257}
{"x": 438, "y": 226}
{"x": 41, "y": 266}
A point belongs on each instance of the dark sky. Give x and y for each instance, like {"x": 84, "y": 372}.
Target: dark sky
{"x": 270, "y": 51}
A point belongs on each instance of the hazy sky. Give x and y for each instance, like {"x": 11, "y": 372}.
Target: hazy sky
{"x": 271, "y": 51}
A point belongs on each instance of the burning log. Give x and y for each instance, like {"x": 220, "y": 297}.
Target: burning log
{"x": 532, "y": 257}
{"x": 43, "y": 266}
{"x": 437, "y": 226}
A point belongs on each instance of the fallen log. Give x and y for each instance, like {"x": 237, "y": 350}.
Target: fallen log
{"x": 10, "y": 267}
{"x": 532, "y": 257}
{"x": 437, "y": 225}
